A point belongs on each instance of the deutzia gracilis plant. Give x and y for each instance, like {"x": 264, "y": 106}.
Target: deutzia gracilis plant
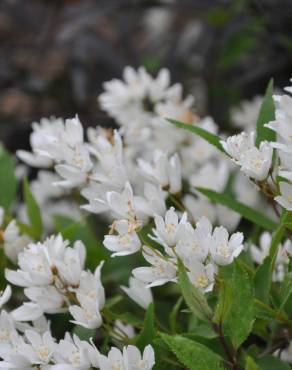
{"x": 163, "y": 244}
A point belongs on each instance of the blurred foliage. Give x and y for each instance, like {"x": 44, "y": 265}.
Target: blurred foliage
{"x": 55, "y": 55}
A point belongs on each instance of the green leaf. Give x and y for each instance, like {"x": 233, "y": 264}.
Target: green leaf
{"x": 84, "y": 333}
{"x": 204, "y": 134}
{"x": 272, "y": 363}
{"x": 245, "y": 211}
{"x": 8, "y": 183}
{"x": 148, "y": 332}
{"x": 193, "y": 355}
{"x": 173, "y": 314}
{"x": 250, "y": 364}
{"x": 194, "y": 298}
{"x": 224, "y": 302}
{"x": 264, "y": 272}
{"x": 241, "y": 314}
{"x": 33, "y": 210}
{"x": 266, "y": 114}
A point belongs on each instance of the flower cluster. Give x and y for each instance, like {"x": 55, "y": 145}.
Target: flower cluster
{"x": 54, "y": 280}
{"x": 148, "y": 184}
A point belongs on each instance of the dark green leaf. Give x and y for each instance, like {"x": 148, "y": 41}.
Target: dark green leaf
{"x": 240, "y": 317}
{"x": 193, "y": 355}
{"x": 204, "y": 134}
{"x": 173, "y": 314}
{"x": 8, "y": 182}
{"x": 148, "y": 332}
{"x": 33, "y": 210}
{"x": 272, "y": 363}
{"x": 194, "y": 298}
{"x": 245, "y": 211}
{"x": 262, "y": 280}
{"x": 266, "y": 114}
{"x": 264, "y": 272}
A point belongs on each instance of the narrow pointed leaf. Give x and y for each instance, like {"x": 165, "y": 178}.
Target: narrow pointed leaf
{"x": 204, "y": 134}
{"x": 148, "y": 332}
{"x": 245, "y": 211}
{"x": 8, "y": 182}
{"x": 33, "y": 210}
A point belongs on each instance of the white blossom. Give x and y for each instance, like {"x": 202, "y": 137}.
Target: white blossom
{"x": 138, "y": 292}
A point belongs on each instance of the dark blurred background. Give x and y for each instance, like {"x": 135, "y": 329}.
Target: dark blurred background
{"x": 55, "y": 55}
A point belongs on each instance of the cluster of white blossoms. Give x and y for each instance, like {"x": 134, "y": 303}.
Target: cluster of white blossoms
{"x": 54, "y": 280}
{"x": 32, "y": 346}
{"x": 257, "y": 163}
{"x": 143, "y": 177}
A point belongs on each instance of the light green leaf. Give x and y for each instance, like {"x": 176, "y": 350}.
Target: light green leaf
{"x": 194, "y": 298}
{"x": 250, "y": 364}
{"x": 148, "y": 332}
{"x": 245, "y": 211}
{"x": 33, "y": 210}
{"x": 266, "y": 114}
{"x": 193, "y": 355}
{"x": 204, "y": 134}
{"x": 241, "y": 314}
{"x": 8, "y": 184}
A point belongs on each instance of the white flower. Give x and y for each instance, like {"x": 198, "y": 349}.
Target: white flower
{"x": 282, "y": 123}
{"x": 237, "y": 145}
{"x": 285, "y": 199}
{"x": 29, "y": 311}
{"x": 14, "y": 242}
{"x": 124, "y": 330}
{"x": 256, "y": 162}
{"x": 47, "y": 298}
{"x": 165, "y": 172}
{"x": 161, "y": 271}
{"x": 125, "y": 205}
{"x": 5, "y": 295}
{"x": 44, "y": 141}
{"x": 153, "y": 202}
{"x": 43, "y": 347}
{"x": 114, "y": 360}
{"x": 134, "y": 360}
{"x": 223, "y": 249}
{"x": 72, "y": 263}
{"x": 138, "y": 292}
{"x": 73, "y": 353}
{"x": 195, "y": 243}
{"x": 90, "y": 295}
{"x": 125, "y": 243}
{"x": 202, "y": 276}
{"x": 129, "y": 359}
{"x": 169, "y": 230}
